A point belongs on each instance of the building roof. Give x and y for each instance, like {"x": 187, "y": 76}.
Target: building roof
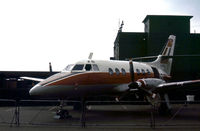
{"x": 177, "y": 16}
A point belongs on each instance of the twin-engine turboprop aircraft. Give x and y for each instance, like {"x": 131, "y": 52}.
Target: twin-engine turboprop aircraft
{"x": 114, "y": 78}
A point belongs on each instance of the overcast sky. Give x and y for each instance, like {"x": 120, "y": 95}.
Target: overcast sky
{"x": 36, "y": 32}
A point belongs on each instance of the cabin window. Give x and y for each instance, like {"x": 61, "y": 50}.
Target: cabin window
{"x": 110, "y": 71}
{"x": 78, "y": 67}
{"x": 148, "y": 72}
{"x": 123, "y": 71}
{"x": 138, "y": 71}
{"x": 117, "y": 71}
{"x": 143, "y": 72}
{"x": 95, "y": 67}
{"x": 88, "y": 67}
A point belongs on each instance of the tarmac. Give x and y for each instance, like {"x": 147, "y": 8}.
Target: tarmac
{"x": 100, "y": 117}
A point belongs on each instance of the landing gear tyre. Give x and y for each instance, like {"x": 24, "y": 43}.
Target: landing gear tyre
{"x": 63, "y": 114}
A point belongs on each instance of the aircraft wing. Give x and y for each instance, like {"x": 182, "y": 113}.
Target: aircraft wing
{"x": 172, "y": 85}
{"x": 32, "y": 79}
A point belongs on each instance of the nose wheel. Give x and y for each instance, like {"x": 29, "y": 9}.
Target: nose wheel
{"x": 62, "y": 113}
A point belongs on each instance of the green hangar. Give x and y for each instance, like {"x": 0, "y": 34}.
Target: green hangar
{"x": 157, "y": 28}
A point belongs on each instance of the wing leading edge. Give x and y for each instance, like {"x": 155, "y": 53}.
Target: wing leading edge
{"x": 32, "y": 79}
{"x": 173, "y": 85}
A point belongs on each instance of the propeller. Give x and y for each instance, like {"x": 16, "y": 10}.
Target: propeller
{"x": 133, "y": 83}
{"x": 147, "y": 87}
{"x": 131, "y": 70}
{"x": 139, "y": 84}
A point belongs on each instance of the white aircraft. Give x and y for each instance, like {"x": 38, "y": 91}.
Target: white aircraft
{"x": 114, "y": 78}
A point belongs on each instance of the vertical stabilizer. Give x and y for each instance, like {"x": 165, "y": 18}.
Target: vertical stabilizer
{"x": 163, "y": 62}
{"x": 169, "y": 48}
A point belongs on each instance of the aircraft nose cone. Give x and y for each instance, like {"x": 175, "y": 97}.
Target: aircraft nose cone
{"x": 34, "y": 91}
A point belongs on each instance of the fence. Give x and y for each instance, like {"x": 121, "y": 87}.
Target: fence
{"x": 98, "y": 113}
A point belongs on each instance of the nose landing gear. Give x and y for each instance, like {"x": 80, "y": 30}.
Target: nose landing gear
{"x": 62, "y": 113}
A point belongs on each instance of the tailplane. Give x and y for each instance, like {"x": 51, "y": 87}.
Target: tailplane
{"x": 164, "y": 60}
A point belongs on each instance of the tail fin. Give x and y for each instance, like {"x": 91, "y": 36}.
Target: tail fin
{"x": 169, "y": 48}
{"x": 163, "y": 62}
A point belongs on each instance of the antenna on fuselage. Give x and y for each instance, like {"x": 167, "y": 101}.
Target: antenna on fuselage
{"x": 90, "y": 55}
{"x": 50, "y": 67}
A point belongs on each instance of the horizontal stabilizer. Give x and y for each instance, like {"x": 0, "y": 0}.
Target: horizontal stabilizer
{"x": 32, "y": 79}
{"x": 144, "y": 58}
{"x": 154, "y": 57}
{"x": 177, "y": 56}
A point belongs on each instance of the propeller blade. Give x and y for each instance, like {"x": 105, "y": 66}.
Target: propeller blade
{"x": 139, "y": 84}
{"x": 133, "y": 84}
{"x": 131, "y": 70}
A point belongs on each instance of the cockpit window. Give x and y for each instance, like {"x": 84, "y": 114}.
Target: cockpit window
{"x": 95, "y": 67}
{"x": 68, "y": 67}
{"x": 88, "y": 67}
{"x": 78, "y": 67}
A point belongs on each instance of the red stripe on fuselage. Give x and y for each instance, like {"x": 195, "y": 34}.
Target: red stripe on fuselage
{"x": 96, "y": 78}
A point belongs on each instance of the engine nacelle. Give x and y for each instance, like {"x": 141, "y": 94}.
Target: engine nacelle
{"x": 149, "y": 83}
{"x": 147, "y": 86}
